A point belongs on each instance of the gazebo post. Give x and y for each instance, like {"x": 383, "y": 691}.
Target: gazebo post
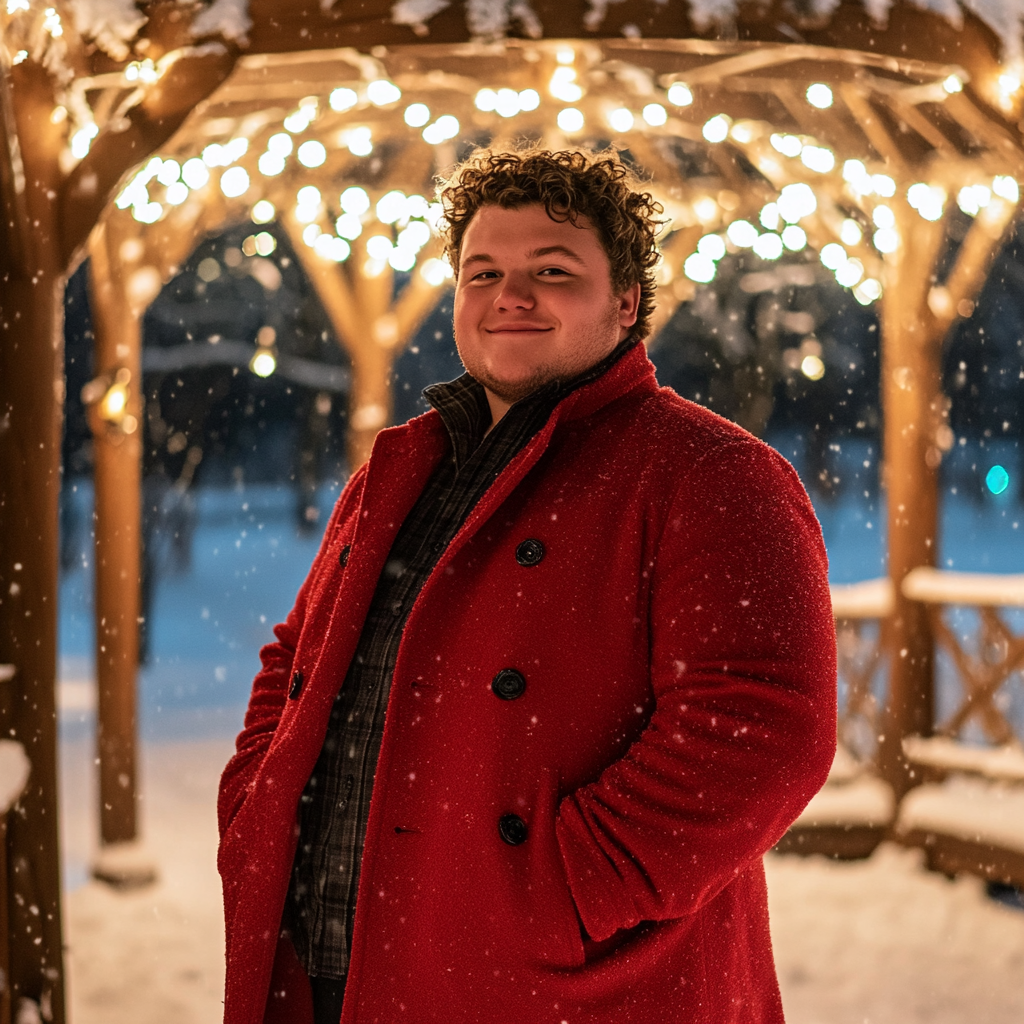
{"x": 911, "y": 387}
{"x": 372, "y": 327}
{"x": 117, "y": 462}
{"x": 31, "y": 400}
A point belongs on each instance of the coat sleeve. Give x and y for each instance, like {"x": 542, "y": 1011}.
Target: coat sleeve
{"x": 270, "y": 687}
{"x": 743, "y": 674}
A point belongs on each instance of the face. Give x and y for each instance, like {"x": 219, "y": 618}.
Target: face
{"x": 534, "y": 300}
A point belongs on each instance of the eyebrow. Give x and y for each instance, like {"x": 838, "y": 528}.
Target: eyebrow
{"x": 546, "y": 250}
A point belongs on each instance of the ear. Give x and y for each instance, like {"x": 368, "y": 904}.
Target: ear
{"x": 629, "y": 304}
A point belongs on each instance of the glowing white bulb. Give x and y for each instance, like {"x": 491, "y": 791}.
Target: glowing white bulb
{"x": 263, "y": 212}
{"x": 812, "y": 367}
{"x": 796, "y": 201}
{"x": 883, "y": 185}
{"x": 620, "y": 119}
{"x": 507, "y": 104}
{"x": 818, "y": 158}
{"x": 742, "y": 233}
{"x": 417, "y": 115}
{"x": 850, "y": 273}
{"x": 312, "y": 153}
{"x": 435, "y": 272}
{"x": 234, "y": 182}
{"x": 570, "y": 119}
{"x": 680, "y": 94}
{"x": 382, "y": 92}
{"x": 832, "y": 255}
{"x": 819, "y": 95}
{"x": 486, "y": 100}
{"x": 883, "y": 217}
{"x": 655, "y": 115}
{"x": 194, "y": 173}
{"x": 355, "y": 200}
{"x": 414, "y": 237}
{"x": 391, "y": 207}
{"x": 349, "y": 226}
{"x": 343, "y": 99}
{"x": 768, "y": 246}
{"x": 700, "y": 268}
{"x": 402, "y": 259}
{"x": 867, "y": 291}
{"x": 169, "y": 173}
{"x": 263, "y": 363}
{"x": 563, "y": 85}
{"x": 360, "y": 141}
{"x": 787, "y": 145}
{"x": 378, "y": 247}
{"x": 177, "y": 193}
{"x": 716, "y": 129}
{"x": 270, "y": 164}
{"x": 711, "y": 246}
{"x": 769, "y": 216}
{"x": 794, "y": 237}
{"x": 928, "y": 200}
{"x": 280, "y": 144}
{"x": 886, "y": 240}
{"x": 850, "y": 232}
{"x": 1006, "y": 187}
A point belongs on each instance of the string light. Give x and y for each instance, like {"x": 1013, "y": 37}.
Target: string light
{"x": 680, "y": 95}
{"x": 570, "y": 119}
{"x": 343, "y": 98}
{"x": 417, "y": 115}
{"x": 620, "y": 119}
{"x": 263, "y": 212}
{"x": 655, "y": 115}
{"x": 312, "y": 154}
{"x": 819, "y": 95}
{"x": 716, "y": 129}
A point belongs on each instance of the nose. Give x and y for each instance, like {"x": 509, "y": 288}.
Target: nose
{"x": 515, "y": 293}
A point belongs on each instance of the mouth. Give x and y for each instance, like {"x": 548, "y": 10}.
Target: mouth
{"x": 518, "y": 329}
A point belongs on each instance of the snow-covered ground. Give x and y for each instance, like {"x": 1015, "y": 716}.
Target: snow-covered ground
{"x": 876, "y": 942}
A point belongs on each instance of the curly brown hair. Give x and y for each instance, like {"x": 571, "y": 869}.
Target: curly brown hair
{"x": 571, "y": 184}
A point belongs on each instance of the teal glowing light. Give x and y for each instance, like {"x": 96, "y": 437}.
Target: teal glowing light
{"x": 997, "y": 480}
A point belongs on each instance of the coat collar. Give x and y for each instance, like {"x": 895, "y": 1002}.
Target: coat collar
{"x": 403, "y": 458}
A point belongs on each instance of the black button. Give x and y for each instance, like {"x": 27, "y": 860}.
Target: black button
{"x": 512, "y": 829}
{"x": 529, "y": 552}
{"x": 508, "y": 684}
{"x": 343, "y": 557}
{"x": 296, "y": 686}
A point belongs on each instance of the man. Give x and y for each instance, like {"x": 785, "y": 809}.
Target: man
{"x": 561, "y": 673}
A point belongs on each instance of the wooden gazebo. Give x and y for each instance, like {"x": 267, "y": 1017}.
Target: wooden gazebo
{"x": 759, "y": 127}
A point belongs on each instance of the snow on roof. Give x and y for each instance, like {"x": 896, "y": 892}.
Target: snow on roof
{"x": 226, "y": 18}
{"x": 489, "y": 18}
{"x": 14, "y": 769}
{"x": 112, "y": 24}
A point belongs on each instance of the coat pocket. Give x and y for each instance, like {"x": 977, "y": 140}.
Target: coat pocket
{"x": 555, "y": 920}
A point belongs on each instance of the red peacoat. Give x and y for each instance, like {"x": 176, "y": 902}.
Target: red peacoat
{"x": 678, "y": 652}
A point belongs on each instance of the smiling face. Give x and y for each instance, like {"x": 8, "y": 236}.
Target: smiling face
{"x": 534, "y": 302}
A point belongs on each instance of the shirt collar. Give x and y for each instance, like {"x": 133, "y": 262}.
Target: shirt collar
{"x": 464, "y": 410}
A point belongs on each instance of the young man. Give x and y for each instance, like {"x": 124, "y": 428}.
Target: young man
{"x": 562, "y": 671}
